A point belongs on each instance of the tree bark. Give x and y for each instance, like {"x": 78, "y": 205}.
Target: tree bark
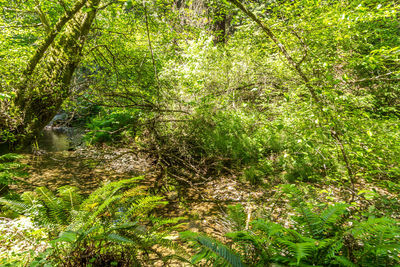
{"x": 46, "y": 80}
{"x": 220, "y": 22}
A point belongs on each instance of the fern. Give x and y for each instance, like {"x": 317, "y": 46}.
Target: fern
{"x": 299, "y": 250}
{"x": 343, "y": 261}
{"x": 261, "y": 244}
{"x": 111, "y": 189}
{"x": 10, "y": 157}
{"x": 237, "y": 216}
{"x": 210, "y": 245}
{"x": 45, "y": 208}
{"x": 312, "y": 221}
{"x": 141, "y": 206}
{"x": 119, "y": 239}
{"x": 380, "y": 238}
{"x": 16, "y": 206}
{"x": 117, "y": 216}
{"x": 11, "y": 170}
{"x": 317, "y": 224}
{"x": 331, "y": 214}
{"x": 56, "y": 209}
{"x": 326, "y": 237}
{"x": 70, "y": 195}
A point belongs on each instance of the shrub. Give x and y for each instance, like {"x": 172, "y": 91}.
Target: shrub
{"x": 10, "y": 170}
{"x": 330, "y": 236}
{"x": 113, "y": 126}
{"x": 116, "y": 224}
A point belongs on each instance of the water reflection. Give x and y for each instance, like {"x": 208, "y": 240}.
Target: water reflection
{"x": 55, "y": 139}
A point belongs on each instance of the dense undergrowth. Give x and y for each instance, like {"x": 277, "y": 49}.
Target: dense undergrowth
{"x": 201, "y": 108}
{"x": 115, "y": 225}
{"x": 318, "y": 235}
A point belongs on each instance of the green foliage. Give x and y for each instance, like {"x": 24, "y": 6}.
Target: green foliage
{"x": 45, "y": 208}
{"x": 315, "y": 225}
{"x": 237, "y": 217}
{"x": 10, "y": 169}
{"x": 217, "y": 97}
{"x": 116, "y": 223}
{"x": 119, "y": 216}
{"x": 226, "y": 136}
{"x": 212, "y": 251}
{"x": 112, "y": 127}
{"x": 379, "y": 237}
{"x": 329, "y": 237}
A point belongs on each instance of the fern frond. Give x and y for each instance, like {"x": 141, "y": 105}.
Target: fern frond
{"x": 70, "y": 195}
{"x": 312, "y": 220}
{"x": 124, "y": 226}
{"x": 331, "y": 214}
{"x": 299, "y": 250}
{"x": 16, "y": 206}
{"x": 343, "y": 261}
{"x": 110, "y": 189}
{"x": 297, "y": 237}
{"x": 45, "y": 194}
{"x": 29, "y": 197}
{"x": 237, "y": 215}
{"x": 57, "y": 210}
{"x": 142, "y": 206}
{"x": 101, "y": 209}
{"x": 215, "y": 247}
{"x": 10, "y": 157}
{"x": 245, "y": 236}
{"x": 11, "y": 168}
{"x": 269, "y": 228}
{"x": 135, "y": 192}
{"x": 119, "y": 239}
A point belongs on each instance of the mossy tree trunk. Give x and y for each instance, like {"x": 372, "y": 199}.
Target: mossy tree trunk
{"x": 45, "y": 84}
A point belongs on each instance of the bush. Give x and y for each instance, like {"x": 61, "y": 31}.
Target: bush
{"x": 329, "y": 236}
{"x": 116, "y": 224}
{"x": 228, "y": 136}
{"x": 10, "y": 170}
{"x": 113, "y": 126}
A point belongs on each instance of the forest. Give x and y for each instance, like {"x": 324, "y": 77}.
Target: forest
{"x": 199, "y": 133}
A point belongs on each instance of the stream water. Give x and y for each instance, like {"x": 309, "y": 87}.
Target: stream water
{"x": 55, "y": 139}
{"x": 62, "y": 159}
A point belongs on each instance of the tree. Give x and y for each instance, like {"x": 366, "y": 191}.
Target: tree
{"x": 320, "y": 82}
{"x": 45, "y": 82}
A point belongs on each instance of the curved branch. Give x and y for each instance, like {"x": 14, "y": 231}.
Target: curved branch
{"x": 51, "y": 36}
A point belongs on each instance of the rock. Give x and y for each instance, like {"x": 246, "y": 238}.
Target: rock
{"x": 58, "y": 119}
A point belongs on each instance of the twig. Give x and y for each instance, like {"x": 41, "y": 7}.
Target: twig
{"x": 379, "y": 77}
{"x": 249, "y": 210}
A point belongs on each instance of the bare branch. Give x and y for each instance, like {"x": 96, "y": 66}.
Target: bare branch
{"x": 382, "y": 77}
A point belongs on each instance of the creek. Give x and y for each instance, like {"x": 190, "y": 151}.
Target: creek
{"x": 62, "y": 158}
{"x": 55, "y": 139}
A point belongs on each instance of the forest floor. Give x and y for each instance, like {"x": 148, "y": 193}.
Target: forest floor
{"x": 205, "y": 204}
{"x": 87, "y": 169}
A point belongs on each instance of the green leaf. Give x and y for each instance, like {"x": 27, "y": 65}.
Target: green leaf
{"x": 213, "y": 246}
{"x": 67, "y": 236}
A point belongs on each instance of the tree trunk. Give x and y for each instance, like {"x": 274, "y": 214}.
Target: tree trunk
{"x": 296, "y": 66}
{"x": 46, "y": 81}
{"x": 220, "y": 22}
